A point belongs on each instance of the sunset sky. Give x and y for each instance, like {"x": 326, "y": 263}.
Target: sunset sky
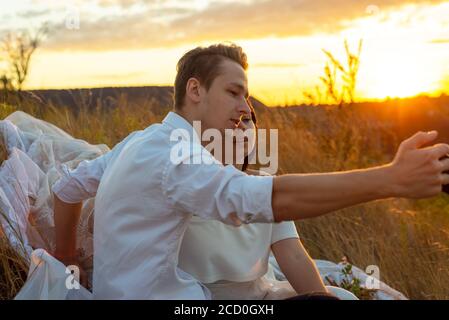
{"x": 129, "y": 43}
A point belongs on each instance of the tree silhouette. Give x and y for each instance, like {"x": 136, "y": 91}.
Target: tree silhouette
{"x": 17, "y": 49}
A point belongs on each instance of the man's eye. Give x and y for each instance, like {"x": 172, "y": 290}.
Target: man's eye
{"x": 233, "y": 92}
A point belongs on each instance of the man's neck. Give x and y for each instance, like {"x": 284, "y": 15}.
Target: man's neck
{"x": 190, "y": 120}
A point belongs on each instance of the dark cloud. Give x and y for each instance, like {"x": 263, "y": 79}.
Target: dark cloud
{"x": 159, "y": 26}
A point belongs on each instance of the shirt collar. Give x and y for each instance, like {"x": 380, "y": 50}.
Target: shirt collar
{"x": 178, "y": 122}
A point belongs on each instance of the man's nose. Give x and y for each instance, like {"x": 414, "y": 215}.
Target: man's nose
{"x": 244, "y": 108}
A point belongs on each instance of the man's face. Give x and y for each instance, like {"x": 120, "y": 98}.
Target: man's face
{"x": 226, "y": 101}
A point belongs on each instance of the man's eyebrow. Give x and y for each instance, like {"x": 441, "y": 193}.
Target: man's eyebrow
{"x": 241, "y": 87}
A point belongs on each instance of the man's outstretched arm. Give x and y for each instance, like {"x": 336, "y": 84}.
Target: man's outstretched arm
{"x": 415, "y": 172}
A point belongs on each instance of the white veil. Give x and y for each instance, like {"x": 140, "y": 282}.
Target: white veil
{"x": 33, "y": 151}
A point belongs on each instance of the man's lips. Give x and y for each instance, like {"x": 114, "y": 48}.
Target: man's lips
{"x": 236, "y": 122}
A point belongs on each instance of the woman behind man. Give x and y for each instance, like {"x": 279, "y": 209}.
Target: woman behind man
{"x": 233, "y": 261}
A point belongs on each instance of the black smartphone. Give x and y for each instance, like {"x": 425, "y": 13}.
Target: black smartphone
{"x": 446, "y": 186}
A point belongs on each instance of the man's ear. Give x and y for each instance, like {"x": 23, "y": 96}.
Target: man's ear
{"x": 193, "y": 90}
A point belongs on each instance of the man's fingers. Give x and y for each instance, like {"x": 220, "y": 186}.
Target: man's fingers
{"x": 445, "y": 164}
{"x": 440, "y": 150}
{"x": 419, "y": 140}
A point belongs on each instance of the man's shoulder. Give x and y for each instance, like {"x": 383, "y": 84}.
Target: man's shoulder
{"x": 152, "y": 132}
{"x": 152, "y": 141}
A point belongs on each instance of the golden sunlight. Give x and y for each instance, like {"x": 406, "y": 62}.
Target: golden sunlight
{"x": 402, "y": 76}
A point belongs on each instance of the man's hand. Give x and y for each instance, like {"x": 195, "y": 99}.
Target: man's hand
{"x": 416, "y": 170}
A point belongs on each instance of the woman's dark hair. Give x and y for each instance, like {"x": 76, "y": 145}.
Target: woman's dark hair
{"x": 254, "y": 120}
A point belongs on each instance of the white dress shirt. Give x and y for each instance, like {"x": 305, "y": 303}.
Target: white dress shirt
{"x": 144, "y": 202}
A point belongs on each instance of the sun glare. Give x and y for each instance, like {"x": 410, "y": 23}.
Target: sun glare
{"x": 399, "y": 78}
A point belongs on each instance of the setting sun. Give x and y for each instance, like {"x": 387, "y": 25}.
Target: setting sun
{"x": 401, "y": 77}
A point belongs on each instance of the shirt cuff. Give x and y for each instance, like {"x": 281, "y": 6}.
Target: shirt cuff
{"x": 258, "y": 193}
{"x": 66, "y": 188}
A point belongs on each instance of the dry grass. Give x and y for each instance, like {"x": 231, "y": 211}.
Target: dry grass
{"x": 408, "y": 240}
{"x": 13, "y": 270}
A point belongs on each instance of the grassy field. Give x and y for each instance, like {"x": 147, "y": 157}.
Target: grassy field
{"x": 408, "y": 240}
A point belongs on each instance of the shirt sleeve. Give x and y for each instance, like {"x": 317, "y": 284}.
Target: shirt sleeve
{"x": 283, "y": 230}
{"x": 203, "y": 186}
{"x": 82, "y": 182}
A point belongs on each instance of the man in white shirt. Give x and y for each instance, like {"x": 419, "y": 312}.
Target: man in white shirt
{"x": 145, "y": 200}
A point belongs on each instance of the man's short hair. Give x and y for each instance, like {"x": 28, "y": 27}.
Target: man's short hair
{"x": 204, "y": 65}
